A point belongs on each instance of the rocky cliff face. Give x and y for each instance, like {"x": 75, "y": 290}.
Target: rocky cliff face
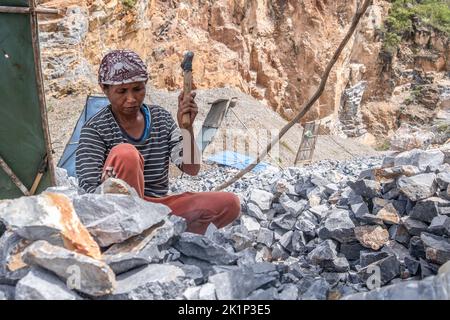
{"x": 275, "y": 51}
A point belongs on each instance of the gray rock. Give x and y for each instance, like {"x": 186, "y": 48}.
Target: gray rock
{"x": 241, "y": 241}
{"x": 325, "y": 255}
{"x": 265, "y": 236}
{"x": 207, "y": 292}
{"x": 38, "y": 217}
{"x": 289, "y": 292}
{"x": 142, "y": 249}
{"x": 39, "y": 284}
{"x": 399, "y": 233}
{"x": 202, "y": 248}
{"x": 317, "y": 291}
{"x": 418, "y": 187}
{"x": 88, "y": 275}
{"x": 420, "y": 158}
{"x": 389, "y": 269}
{"x": 292, "y": 207}
{"x": 238, "y": 284}
{"x": 150, "y": 282}
{"x": 285, "y": 221}
{"x": 192, "y": 293}
{"x": 2, "y": 228}
{"x": 250, "y": 223}
{"x": 440, "y": 225}
{"x": 261, "y": 198}
{"x": 425, "y": 210}
{"x": 260, "y": 294}
{"x": 279, "y": 253}
{"x": 12, "y": 267}
{"x": 351, "y": 250}
{"x": 437, "y": 249}
{"x": 443, "y": 179}
{"x": 414, "y": 227}
{"x": 394, "y": 248}
{"x": 412, "y": 265}
{"x": 338, "y": 226}
{"x": 286, "y": 240}
{"x": 432, "y": 288}
{"x": 298, "y": 241}
{"x": 254, "y": 211}
{"x": 360, "y": 210}
{"x": 7, "y": 292}
{"x": 427, "y": 268}
{"x": 367, "y": 258}
{"x": 319, "y": 211}
{"x": 114, "y": 218}
{"x": 366, "y": 188}
{"x": 417, "y": 247}
{"x": 306, "y": 226}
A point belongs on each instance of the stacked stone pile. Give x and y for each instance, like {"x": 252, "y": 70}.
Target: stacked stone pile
{"x": 366, "y": 228}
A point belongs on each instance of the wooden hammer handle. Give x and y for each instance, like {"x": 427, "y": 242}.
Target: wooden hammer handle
{"x": 187, "y": 93}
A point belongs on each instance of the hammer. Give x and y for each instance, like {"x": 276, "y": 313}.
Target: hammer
{"x": 186, "y": 65}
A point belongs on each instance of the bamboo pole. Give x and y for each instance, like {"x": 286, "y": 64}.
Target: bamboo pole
{"x": 359, "y": 13}
{"x": 40, "y": 90}
{"x": 13, "y": 177}
{"x": 39, "y": 10}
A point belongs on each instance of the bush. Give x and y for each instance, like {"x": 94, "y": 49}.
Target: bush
{"x": 399, "y": 23}
{"x": 129, "y": 4}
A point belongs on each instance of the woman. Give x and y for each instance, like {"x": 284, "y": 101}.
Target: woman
{"x": 132, "y": 141}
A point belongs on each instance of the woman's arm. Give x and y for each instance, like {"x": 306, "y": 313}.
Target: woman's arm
{"x": 90, "y": 158}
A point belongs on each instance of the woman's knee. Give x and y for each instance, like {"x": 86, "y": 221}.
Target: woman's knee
{"x": 127, "y": 153}
{"x": 233, "y": 205}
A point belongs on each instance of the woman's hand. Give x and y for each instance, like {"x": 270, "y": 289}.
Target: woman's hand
{"x": 188, "y": 106}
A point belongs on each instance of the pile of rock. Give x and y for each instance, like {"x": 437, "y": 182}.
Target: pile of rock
{"x": 329, "y": 231}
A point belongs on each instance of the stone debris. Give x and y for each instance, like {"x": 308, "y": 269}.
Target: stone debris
{"x": 50, "y": 217}
{"x": 114, "y": 218}
{"x": 39, "y": 284}
{"x": 322, "y": 231}
{"x": 90, "y": 276}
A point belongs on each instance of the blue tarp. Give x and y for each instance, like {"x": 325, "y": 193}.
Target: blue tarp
{"x": 236, "y": 160}
{"x": 93, "y": 105}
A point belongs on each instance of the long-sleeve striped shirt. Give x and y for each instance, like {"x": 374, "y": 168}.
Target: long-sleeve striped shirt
{"x": 102, "y": 132}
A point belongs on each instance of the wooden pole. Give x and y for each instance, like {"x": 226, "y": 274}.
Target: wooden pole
{"x": 39, "y": 10}
{"x": 40, "y": 89}
{"x": 13, "y": 177}
{"x": 359, "y": 13}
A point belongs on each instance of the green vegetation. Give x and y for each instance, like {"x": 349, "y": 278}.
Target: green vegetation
{"x": 399, "y": 23}
{"x": 383, "y": 146}
{"x": 129, "y": 4}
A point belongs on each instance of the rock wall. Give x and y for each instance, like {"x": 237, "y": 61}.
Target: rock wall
{"x": 275, "y": 51}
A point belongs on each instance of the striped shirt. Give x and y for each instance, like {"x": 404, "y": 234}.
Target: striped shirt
{"x": 102, "y": 132}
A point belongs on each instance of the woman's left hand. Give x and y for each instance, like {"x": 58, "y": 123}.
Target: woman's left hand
{"x": 186, "y": 106}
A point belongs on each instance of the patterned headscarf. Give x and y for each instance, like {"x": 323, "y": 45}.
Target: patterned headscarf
{"x": 122, "y": 66}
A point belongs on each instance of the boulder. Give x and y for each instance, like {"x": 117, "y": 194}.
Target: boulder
{"x": 39, "y": 284}
{"x": 373, "y": 237}
{"x": 12, "y": 267}
{"x": 338, "y": 226}
{"x": 114, "y": 218}
{"x": 418, "y": 187}
{"x": 437, "y": 249}
{"x": 150, "y": 282}
{"x": 261, "y": 198}
{"x": 83, "y": 273}
{"x": 200, "y": 247}
{"x": 422, "y": 159}
{"x": 50, "y": 217}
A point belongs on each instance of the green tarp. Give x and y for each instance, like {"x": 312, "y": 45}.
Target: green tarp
{"x": 22, "y": 133}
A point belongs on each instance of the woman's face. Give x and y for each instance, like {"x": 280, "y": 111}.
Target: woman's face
{"x": 126, "y": 99}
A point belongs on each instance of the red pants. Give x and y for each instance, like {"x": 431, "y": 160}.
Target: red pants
{"x": 198, "y": 208}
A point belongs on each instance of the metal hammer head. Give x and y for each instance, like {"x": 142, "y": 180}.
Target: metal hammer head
{"x": 187, "y": 61}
